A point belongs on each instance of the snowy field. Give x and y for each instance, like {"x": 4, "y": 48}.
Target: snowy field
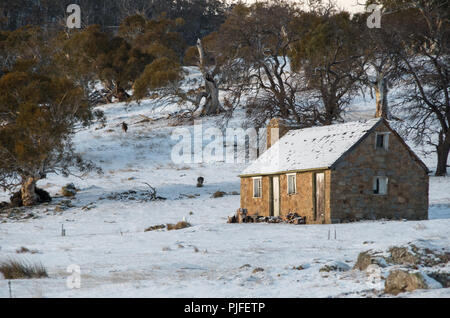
{"x": 105, "y": 226}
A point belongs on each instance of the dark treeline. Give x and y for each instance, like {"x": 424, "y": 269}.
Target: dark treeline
{"x": 201, "y": 16}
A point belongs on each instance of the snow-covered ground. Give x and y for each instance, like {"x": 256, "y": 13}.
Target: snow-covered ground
{"x": 105, "y": 228}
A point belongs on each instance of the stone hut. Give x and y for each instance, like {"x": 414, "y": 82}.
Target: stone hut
{"x": 337, "y": 173}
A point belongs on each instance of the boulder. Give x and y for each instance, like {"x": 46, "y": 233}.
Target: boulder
{"x": 4, "y": 205}
{"x": 367, "y": 258}
{"x": 16, "y": 200}
{"x": 400, "y": 281}
{"x": 334, "y": 266}
{"x": 402, "y": 256}
{"x": 69, "y": 190}
{"x": 43, "y": 196}
{"x": 442, "y": 278}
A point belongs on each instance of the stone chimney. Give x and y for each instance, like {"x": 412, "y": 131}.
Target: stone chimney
{"x": 276, "y": 129}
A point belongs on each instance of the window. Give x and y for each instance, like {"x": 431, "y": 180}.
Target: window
{"x": 291, "y": 184}
{"x": 380, "y": 185}
{"x": 257, "y": 187}
{"x": 382, "y": 140}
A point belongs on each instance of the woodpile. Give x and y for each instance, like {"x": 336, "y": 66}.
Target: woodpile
{"x": 294, "y": 218}
{"x": 241, "y": 216}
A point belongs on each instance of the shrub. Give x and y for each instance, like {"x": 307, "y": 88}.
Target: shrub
{"x": 16, "y": 269}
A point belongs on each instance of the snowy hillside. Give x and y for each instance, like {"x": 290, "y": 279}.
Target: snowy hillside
{"x": 105, "y": 225}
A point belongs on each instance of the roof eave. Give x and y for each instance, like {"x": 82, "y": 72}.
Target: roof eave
{"x": 281, "y": 172}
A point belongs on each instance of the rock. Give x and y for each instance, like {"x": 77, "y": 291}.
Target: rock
{"x": 69, "y": 190}
{"x": 4, "y": 205}
{"x": 58, "y": 209}
{"x": 400, "y": 281}
{"x": 365, "y": 259}
{"x": 335, "y": 266}
{"x": 402, "y": 256}
{"x": 16, "y": 200}
{"x": 71, "y": 186}
{"x": 218, "y": 194}
{"x": 43, "y": 196}
{"x": 67, "y": 203}
{"x": 258, "y": 269}
{"x": 442, "y": 278}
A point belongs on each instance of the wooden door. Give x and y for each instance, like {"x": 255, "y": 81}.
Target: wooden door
{"x": 276, "y": 196}
{"x": 320, "y": 196}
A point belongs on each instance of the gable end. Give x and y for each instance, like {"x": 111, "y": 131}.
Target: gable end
{"x": 413, "y": 156}
{"x": 355, "y": 145}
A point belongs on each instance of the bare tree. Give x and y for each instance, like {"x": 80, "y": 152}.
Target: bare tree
{"x": 380, "y": 63}
{"x": 211, "y": 92}
{"x": 422, "y": 35}
{"x": 254, "y": 43}
{"x": 332, "y": 57}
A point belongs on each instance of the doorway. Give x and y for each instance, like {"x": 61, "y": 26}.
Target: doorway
{"x": 319, "y": 196}
{"x": 275, "y": 196}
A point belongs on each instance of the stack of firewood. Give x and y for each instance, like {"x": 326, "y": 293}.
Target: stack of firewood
{"x": 294, "y": 218}
{"x": 241, "y": 216}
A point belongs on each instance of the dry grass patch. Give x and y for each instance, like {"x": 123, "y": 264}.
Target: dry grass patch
{"x": 155, "y": 227}
{"x": 18, "y": 269}
{"x": 180, "y": 225}
{"x": 258, "y": 269}
{"x": 23, "y": 249}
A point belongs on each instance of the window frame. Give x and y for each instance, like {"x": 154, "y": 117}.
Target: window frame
{"x": 259, "y": 187}
{"x": 295, "y": 183}
{"x": 385, "y": 135}
{"x": 376, "y": 185}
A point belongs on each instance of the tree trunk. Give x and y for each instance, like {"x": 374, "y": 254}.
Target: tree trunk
{"x": 28, "y": 192}
{"x": 212, "y": 104}
{"x": 331, "y": 111}
{"x": 381, "y": 92}
{"x": 122, "y": 95}
{"x": 442, "y": 150}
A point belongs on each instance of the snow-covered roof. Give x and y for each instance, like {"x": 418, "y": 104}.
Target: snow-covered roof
{"x": 310, "y": 148}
